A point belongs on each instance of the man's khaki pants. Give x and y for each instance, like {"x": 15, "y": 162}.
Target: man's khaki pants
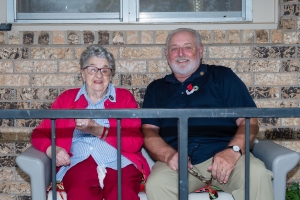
{"x": 163, "y": 181}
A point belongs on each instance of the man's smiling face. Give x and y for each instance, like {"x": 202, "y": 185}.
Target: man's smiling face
{"x": 183, "y": 53}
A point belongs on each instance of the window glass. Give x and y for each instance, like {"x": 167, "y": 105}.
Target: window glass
{"x": 190, "y": 5}
{"x": 129, "y": 11}
{"x": 68, "y": 6}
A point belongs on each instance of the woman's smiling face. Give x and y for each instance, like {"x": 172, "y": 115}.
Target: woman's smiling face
{"x": 96, "y": 83}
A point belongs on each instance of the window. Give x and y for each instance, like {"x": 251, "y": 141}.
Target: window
{"x": 129, "y": 11}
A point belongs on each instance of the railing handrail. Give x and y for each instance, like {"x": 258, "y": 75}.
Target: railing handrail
{"x": 149, "y": 113}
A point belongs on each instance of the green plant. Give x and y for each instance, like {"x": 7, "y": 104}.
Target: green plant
{"x": 293, "y": 192}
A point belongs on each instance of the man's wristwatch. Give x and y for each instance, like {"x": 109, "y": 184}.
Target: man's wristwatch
{"x": 236, "y": 148}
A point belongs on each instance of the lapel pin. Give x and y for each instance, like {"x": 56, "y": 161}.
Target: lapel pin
{"x": 111, "y": 97}
{"x": 191, "y": 89}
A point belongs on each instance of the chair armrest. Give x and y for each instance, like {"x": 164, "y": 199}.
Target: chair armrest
{"x": 279, "y": 160}
{"x": 38, "y": 166}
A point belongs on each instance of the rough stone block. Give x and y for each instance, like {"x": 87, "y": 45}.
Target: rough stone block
{"x": 288, "y": 23}
{"x": 28, "y": 37}
{"x": 248, "y": 36}
{"x": 274, "y": 52}
{"x": 70, "y": 66}
{"x": 88, "y": 37}
{"x": 58, "y": 37}
{"x": 290, "y": 92}
{"x": 205, "y": 36}
{"x": 14, "y": 80}
{"x": 7, "y": 94}
{"x": 290, "y": 66}
{"x": 219, "y": 36}
{"x": 7, "y": 148}
{"x": 229, "y": 52}
{"x": 14, "y": 53}
{"x": 37, "y": 93}
{"x": 264, "y": 92}
{"x": 7, "y": 161}
{"x": 140, "y": 53}
{"x": 226, "y": 63}
{"x": 36, "y": 66}
{"x": 159, "y": 66}
{"x": 267, "y": 103}
{"x": 50, "y": 53}
{"x": 118, "y": 37}
{"x": 13, "y": 37}
{"x": 290, "y": 122}
{"x": 2, "y": 38}
{"x": 43, "y": 37}
{"x": 73, "y": 37}
{"x": 276, "y": 36}
{"x": 15, "y": 188}
{"x": 132, "y": 37}
{"x": 160, "y": 37}
{"x": 147, "y": 37}
{"x": 275, "y": 79}
{"x": 233, "y": 36}
{"x": 7, "y": 174}
{"x": 103, "y": 37}
{"x": 262, "y": 36}
{"x": 269, "y": 121}
{"x": 131, "y": 66}
{"x": 258, "y": 66}
{"x": 291, "y": 38}
{"x": 7, "y": 197}
{"x": 53, "y": 80}
{"x": 281, "y": 134}
{"x": 6, "y": 67}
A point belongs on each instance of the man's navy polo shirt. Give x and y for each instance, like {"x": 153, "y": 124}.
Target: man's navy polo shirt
{"x": 219, "y": 87}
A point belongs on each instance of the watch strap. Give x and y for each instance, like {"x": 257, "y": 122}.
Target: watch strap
{"x": 240, "y": 151}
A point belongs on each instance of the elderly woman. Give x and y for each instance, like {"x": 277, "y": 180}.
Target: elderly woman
{"x": 86, "y": 151}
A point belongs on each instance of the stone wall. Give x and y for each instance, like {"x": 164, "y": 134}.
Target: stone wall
{"x": 36, "y": 66}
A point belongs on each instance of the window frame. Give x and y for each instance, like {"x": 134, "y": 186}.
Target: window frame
{"x": 129, "y": 14}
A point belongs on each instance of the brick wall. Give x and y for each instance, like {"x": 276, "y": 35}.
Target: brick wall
{"x": 36, "y": 66}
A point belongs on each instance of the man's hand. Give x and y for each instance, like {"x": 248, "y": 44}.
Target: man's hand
{"x": 89, "y": 126}
{"x": 172, "y": 162}
{"x": 223, "y": 164}
{"x": 62, "y": 157}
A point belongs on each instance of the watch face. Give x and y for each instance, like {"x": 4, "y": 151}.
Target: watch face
{"x": 236, "y": 148}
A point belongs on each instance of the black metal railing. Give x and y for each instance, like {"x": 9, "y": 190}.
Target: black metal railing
{"x": 181, "y": 114}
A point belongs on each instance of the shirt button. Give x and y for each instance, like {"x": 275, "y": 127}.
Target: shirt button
{"x": 91, "y": 148}
{"x": 182, "y": 92}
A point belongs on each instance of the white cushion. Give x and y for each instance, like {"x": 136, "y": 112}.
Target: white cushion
{"x": 142, "y": 195}
{"x": 198, "y": 196}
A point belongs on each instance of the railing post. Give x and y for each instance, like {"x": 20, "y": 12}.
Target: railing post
{"x": 119, "y": 166}
{"x": 53, "y": 159}
{"x": 183, "y": 157}
{"x": 247, "y": 158}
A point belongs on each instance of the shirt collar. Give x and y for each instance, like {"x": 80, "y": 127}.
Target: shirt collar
{"x": 110, "y": 94}
{"x": 201, "y": 71}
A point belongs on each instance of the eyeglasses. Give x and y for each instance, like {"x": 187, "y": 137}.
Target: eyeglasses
{"x": 195, "y": 172}
{"x": 93, "y": 70}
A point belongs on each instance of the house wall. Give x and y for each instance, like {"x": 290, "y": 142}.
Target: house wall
{"x": 38, "y": 62}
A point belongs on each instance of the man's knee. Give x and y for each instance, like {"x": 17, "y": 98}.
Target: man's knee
{"x": 155, "y": 181}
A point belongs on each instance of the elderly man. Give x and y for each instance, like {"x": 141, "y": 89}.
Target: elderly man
{"x": 216, "y": 146}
